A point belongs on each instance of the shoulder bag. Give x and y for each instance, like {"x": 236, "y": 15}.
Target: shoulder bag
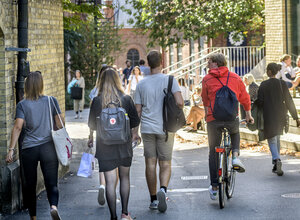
{"x": 287, "y": 118}
{"x": 62, "y": 141}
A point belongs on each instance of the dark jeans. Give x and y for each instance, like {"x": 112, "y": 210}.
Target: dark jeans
{"x": 46, "y": 154}
{"x": 214, "y": 131}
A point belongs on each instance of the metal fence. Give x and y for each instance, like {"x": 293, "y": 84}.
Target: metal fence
{"x": 240, "y": 60}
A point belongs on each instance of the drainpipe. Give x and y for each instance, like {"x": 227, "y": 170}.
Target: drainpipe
{"x": 286, "y": 27}
{"x": 23, "y": 65}
{"x": 23, "y": 71}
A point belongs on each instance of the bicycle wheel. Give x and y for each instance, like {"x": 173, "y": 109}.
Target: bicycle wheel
{"x": 230, "y": 180}
{"x": 222, "y": 182}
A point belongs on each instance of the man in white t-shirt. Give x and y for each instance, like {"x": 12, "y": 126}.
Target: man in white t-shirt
{"x": 149, "y": 97}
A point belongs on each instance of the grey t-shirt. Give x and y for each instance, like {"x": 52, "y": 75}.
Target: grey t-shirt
{"x": 149, "y": 93}
{"x": 36, "y": 120}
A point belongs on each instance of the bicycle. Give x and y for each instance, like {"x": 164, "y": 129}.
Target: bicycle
{"x": 226, "y": 172}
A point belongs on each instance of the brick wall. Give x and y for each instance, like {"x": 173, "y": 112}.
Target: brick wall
{"x": 132, "y": 40}
{"x": 8, "y": 61}
{"x": 275, "y": 30}
{"x": 45, "y": 38}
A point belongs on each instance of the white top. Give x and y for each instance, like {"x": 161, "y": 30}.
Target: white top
{"x": 185, "y": 92}
{"x": 134, "y": 82}
{"x": 284, "y": 70}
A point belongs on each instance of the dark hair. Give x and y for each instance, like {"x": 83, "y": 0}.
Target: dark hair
{"x": 154, "y": 58}
{"x": 104, "y": 67}
{"x": 181, "y": 82}
{"x": 34, "y": 85}
{"x": 128, "y": 61}
{"x": 273, "y": 68}
{"x": 142, "y": 62}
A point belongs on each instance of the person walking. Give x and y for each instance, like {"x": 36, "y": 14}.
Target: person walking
{"x": 126, "y": 73}
{"x": 149, "y": 97}
{"x": 217, "y": 77}
{"x": 134, "y": 79}
{"x": 79, "y": 103}
{"x": 94, "y": 93}
{"x": 144, "y": 69}
{"x": 114, "y": 157}
{"x": 34, "y": 114}
{"x": 275, "y": 99}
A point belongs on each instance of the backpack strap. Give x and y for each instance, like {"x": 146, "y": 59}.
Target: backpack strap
{"x": 228, "y": 78}
{"x": 170, "y": 83}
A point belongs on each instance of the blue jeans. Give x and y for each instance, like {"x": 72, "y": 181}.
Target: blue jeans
{"x": 274, "y": 145}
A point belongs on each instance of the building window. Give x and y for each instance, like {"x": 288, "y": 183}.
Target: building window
{"x": 171, "y": 56}
{"x": 293, "y": 28}
{"x": 179, "y": 54}
{"x": 134, "y": 56}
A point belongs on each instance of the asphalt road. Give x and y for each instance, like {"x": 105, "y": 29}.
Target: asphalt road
{"x": 258, "y": 193}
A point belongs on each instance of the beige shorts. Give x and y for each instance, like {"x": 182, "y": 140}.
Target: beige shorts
{"x": 155, "y": 146}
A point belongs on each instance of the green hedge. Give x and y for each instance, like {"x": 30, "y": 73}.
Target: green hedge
{"x": 69, "y": 101}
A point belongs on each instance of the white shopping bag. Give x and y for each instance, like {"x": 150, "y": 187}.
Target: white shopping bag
{"x": 85, "y": 167}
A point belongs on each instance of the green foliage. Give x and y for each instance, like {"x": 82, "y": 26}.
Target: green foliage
{"x": 170, "y": 21}
{"x": 90, "y": 46}
{"x": 74, "y": 14}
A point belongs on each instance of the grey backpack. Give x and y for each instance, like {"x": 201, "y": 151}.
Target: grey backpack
{"x": 113, "y": 125}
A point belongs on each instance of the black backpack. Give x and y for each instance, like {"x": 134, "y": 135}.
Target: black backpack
{"x": 173, "y": 116}
{"x": 226, "y": 103}
{"x": 113, "y": 125}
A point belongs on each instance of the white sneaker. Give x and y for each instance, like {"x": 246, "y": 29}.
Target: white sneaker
{"x": 162, "y": 201}
{"x": 153, "y": 205}
{"x": 238, "y": 165}
{"x": 212, "y": 193}
{"x": 76, "y": 116}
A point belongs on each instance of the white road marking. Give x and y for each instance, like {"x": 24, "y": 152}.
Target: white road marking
{"x": 188, "y": 190}
{"x": 194, "y": 177}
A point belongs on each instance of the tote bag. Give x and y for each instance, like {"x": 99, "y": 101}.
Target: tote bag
{"x": 76, "y": 93}
{"x": 62, "y": 141}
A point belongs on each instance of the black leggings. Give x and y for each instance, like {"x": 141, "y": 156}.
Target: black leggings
{"x": 46, "y": 154}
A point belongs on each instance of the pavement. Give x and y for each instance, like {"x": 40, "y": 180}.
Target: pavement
{"x": 259, "y": 194}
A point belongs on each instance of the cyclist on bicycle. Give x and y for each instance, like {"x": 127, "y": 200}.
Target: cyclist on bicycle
{"x": 217, "y": 77}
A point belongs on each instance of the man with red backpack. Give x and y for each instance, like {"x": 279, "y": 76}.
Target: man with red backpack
{"x": 222, "y": 90}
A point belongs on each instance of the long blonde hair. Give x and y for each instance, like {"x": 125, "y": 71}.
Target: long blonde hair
{"x": 136, "y": 67}
{"x": 110, "y": 87}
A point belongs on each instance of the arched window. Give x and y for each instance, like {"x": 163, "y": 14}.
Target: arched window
{"x": 134, "y": 56}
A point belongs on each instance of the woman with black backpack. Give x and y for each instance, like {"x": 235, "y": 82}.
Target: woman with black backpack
{"x": 114, "y": 155}
{"x": 275, "y": 99}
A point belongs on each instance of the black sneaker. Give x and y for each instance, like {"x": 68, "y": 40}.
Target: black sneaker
{"x": 274, "y": 168}
{"x": 278, "y": 167}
